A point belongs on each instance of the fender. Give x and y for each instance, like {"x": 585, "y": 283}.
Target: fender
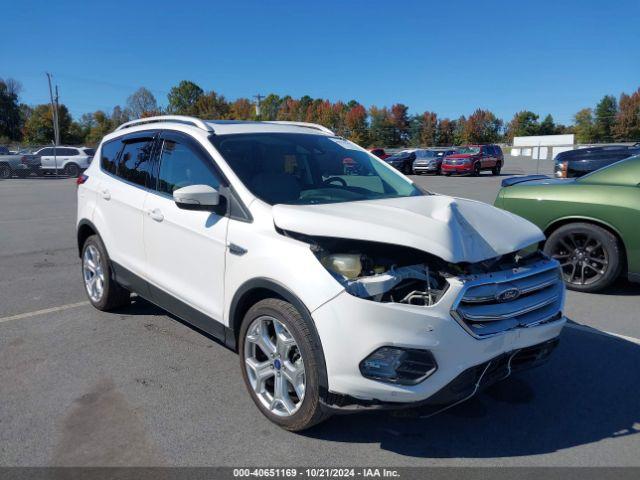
{"x": 261, "y": 283}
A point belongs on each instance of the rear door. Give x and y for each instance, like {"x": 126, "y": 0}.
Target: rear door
{"x": 185, "y": 249}
{"x": 128, "y": 163}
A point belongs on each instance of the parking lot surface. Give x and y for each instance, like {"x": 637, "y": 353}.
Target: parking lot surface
{"x": 138, "y": 387}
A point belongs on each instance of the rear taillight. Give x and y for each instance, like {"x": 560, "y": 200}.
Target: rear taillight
{"x": 23, "y": 160}
{"x": 81, "y": 179}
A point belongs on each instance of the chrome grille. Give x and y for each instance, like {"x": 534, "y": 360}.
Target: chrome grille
{"x": 534, "y": 295}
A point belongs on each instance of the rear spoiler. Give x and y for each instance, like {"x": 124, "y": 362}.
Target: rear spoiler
{"x": 507, "y": 182}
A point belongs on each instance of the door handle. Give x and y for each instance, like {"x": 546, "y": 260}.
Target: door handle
{"x": 106, "y": 194}
{"x": 155, "y": 214}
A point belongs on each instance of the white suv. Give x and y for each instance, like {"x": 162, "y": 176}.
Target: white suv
{"x": 70, "y": 161}
{"x": 341, "y": 284}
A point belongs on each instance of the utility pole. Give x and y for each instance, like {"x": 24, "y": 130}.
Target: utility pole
{"x": 54, "y": 111}
{"x": 258, "y": 98}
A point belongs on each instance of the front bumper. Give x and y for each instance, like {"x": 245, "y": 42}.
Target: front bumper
{"x": 426, "y": 168}
{"x": 457, "y": 169}
{"x": 350, "y": 328}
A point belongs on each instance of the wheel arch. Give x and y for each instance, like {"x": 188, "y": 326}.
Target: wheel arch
{"x": 256, "y": 289}
{"x": 560, "y": 222}
{"x": 85, "y": 230}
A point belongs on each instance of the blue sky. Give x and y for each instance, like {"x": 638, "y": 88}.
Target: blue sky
{"x": 446, "y": 56}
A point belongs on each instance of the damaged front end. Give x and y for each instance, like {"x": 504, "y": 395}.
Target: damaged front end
{"x": 381, "y": 272}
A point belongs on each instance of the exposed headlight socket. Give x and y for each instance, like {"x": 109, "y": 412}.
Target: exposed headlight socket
{"x": 403, "y": 366}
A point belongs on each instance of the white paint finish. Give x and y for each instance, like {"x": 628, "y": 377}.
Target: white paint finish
{"x": 454, "y": 229}
{"x": 543, "y": 140}
{"x": 185, "y": 253}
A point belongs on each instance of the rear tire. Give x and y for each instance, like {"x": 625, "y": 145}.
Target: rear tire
{"x": 298, "y": 414}
{"x": 5, "y": 172}
{"x": 103, "y": 291}
{"x": 590, "y": 256}
{"x": 72, "y": 170}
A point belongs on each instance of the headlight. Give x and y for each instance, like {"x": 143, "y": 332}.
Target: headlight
{"x": 348, "y": 265}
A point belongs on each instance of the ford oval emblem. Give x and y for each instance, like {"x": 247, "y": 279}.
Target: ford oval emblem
{"x": 508, "y": 294}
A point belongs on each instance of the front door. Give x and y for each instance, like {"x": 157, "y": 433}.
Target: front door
{"x": 185, "y": 249}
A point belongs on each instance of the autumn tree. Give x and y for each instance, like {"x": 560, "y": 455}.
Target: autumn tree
{"x": 605, "y": 118}
{"x": 400, "y": 121}
{"x": 429, "y": 131}
{"x": 269, "y": 107}
{"x": 241, "y": 109}
{"x": 584, "y": 126}
{"x": 446, "y": 132}
{"x": 38, "y": 129}
{"x": 141, "y": 102}
{"x": 382, "y": 127}
{"x": 183, "y": 98}
{"x": 356, "y": 125}
{"x": 523, "y": 124}
{"x": 211, "y": 106}
{"x": 482, "y": 126}
{"x": 627, "y": 126}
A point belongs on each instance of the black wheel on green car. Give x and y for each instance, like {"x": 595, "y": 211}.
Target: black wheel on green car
{"x": 589, "y": 255}
{"x": 280, "y": 363}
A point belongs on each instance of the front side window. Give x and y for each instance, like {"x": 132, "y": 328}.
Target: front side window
{"x": 182, "y": 165}
{"x": 135, "y": 163}
{"x": 309, "y": 169}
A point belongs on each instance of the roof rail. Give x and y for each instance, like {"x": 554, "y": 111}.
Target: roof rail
{"x": 303, "y": 124}
{"x": 196, "y": 122}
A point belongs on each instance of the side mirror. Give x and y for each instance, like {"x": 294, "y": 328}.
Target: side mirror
{"x": 197, "y": 197}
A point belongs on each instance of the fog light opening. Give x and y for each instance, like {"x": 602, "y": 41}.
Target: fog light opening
{"x": 403, "y": 366}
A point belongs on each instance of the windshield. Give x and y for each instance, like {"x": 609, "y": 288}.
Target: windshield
{"x": 427, "y": 154}
{"x": 468, "y": 150}
{"x": 309, "y": 169}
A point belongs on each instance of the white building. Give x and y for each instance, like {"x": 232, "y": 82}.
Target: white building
{"x": 537, "y": 146}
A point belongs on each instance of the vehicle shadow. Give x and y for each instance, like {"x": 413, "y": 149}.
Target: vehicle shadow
{"x": 587, "y": 392}
{"x": 621, "y": 286}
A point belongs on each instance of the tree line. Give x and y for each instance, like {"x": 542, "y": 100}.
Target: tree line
{"x": 611, "y": 120}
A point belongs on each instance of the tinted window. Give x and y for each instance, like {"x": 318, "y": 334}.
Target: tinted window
{"x": 135, "y": 163}
{"x": 109, "y": 155}
{"x": 67, "y": 152}
{"x": 309, "y": 169}
{"x": 90, "y": 151}
{"x": 182, "y": 165}
{"x": 45, "y": 152}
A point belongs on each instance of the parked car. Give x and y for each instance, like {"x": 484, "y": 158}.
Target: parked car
{"x": 430, "y": 160}
{"x": 70, "y": 161}
{"x": 379, "y": 152}
{"x": 579, "y": 162}
{"x": 402, "y": 161}
{"x": 591, "y": 222}
{"x": 473, "y": 159}
{"x": 20, "y": 165}
{"x": 340, "y": 290}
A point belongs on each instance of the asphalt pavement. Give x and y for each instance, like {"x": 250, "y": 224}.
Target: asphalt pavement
{"x": 138, "y": 387}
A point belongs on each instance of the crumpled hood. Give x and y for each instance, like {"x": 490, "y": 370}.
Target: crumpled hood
{"x": 454, "y": 229}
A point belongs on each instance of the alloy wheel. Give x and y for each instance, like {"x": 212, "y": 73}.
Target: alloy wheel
{"x": 583, "y": 258}
{"x": 93, "y": 273}
{"x": 274, "y": 366}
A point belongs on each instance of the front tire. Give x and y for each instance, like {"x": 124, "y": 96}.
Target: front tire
{"x": 280, "y": 363}
{"x": 101, "y": 288}
{"x": 589, "y": 255}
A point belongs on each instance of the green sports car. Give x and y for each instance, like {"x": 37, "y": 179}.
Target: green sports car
{"x": 592, "y": 223}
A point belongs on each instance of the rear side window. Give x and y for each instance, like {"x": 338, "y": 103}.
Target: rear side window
{"x": 68, "y": 152}
{"x": 109, "y": 156}
{"x": 136, "y": 163}
{"x": 182, "y": 165}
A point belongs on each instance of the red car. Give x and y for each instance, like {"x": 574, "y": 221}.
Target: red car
{"x": 380, "y": 153}
{"x": 472, "y": 159}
